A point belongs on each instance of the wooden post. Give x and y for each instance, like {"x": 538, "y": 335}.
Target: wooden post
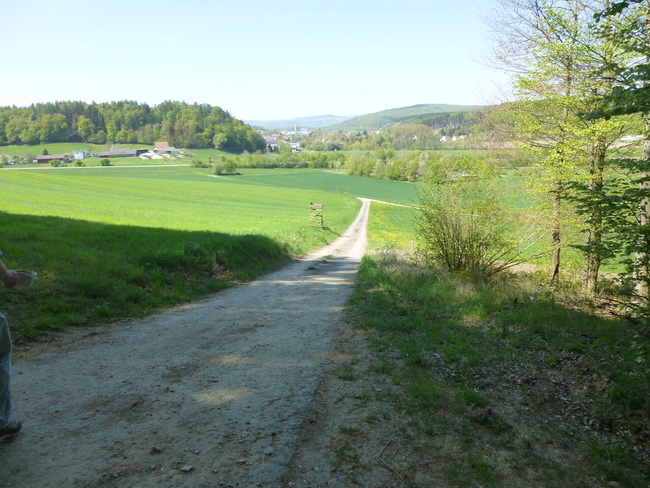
{"x": 316, "y": 214}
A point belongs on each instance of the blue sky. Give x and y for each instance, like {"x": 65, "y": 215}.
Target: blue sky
{"x": 256, "y": 59}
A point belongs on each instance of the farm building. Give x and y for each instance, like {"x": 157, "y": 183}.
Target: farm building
{"x": 51, "y": 157}
{"x": 118, "y": 152}
{"x": 164, "y": 148}
{"x": 81, "y": 154}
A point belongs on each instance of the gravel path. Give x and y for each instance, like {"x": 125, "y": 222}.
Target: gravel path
{"x": 210, "y": 394}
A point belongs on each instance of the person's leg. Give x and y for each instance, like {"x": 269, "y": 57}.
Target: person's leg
{"x": 5, "y": 372}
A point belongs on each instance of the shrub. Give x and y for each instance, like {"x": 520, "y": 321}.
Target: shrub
{"x": 464, "y": 226}
{"x": 199, "y": 163}
{"x": 225, "y": 167}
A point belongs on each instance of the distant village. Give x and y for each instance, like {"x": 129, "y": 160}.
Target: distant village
{"x": 289, "y": 137}
{"x": 294, "y": 137}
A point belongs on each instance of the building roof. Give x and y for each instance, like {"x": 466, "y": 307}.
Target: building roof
{"x": 50, "y": 157}
{"x": 160, "y": 145}
{"x": 117, "y": 152}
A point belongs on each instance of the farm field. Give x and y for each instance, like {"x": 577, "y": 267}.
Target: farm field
{"x": 52, "y": 148}
{"x": 70, "y": 147}
{"x": 358, "y": 186}
{"x": 123, "y": 242}
{"x": 192, "y": 199}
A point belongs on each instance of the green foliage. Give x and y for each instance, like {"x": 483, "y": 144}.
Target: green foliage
{"x": 625, "y": 24}
{"x": 462, "y": 222}
{"x": 105, "y": 162}
{"x": 565, "y": 68}
{"x": 199, "y": 163}
{"x": 181, "y": 124}
{"x": 225, "y": 167}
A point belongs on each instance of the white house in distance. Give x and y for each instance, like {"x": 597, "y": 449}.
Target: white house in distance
{"x": 454, "y": 138}
{"x": 81, "y": 155}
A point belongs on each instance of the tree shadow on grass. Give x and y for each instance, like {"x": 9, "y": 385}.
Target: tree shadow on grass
{"x": 91, "y": 272}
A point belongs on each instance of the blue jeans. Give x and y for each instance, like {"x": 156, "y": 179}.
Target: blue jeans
{"x": 5, "y": 372}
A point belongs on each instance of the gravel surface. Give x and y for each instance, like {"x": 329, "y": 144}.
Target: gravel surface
{"x": 213, "y": 393}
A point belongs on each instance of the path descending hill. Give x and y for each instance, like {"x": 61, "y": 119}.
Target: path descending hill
{"x": 214, "y": 393}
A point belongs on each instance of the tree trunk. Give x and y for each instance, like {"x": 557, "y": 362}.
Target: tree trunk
{"x": 642, "y": 272}
{"x": 594, "y": 255}
{"x": 556, "y": 238}
{"x": 641, "y": 268}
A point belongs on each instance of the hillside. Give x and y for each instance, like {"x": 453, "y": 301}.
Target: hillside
{"x": 414, "y": 113}
{"x": 178, "y": 123}
{"x": 315, "y": 122}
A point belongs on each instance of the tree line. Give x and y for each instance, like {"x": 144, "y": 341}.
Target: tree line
{"x": 384, "y": 164}
{"x": 580, "y": 82}
{"x": 180, "y": 124}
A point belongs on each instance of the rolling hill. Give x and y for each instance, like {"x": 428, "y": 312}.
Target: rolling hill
{"x": 314, "y": 122}
{"x": 414, "y": 113}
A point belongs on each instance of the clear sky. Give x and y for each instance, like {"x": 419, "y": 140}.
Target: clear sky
{"x": 256, "y": 59}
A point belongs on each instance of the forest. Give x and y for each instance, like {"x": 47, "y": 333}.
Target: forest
{"x": 180, "y": 124}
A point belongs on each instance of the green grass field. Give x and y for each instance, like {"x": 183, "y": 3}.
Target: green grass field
{"x": 358, "y": 186}
{"x": 122, "y": 242}
{"x": 391, "y": 228}
{"x": 53, "y": 148}
{"x": 174, "y": 198}
{"x": 267, "y": 201}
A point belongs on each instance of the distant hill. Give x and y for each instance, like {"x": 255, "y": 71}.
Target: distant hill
{"x": 315, "y": 122}
{"x": 414, "y": 113}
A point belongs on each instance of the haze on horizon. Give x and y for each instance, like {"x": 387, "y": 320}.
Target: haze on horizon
{"x": 257, "y": 60}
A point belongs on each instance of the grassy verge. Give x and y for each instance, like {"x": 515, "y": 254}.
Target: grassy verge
{"x": 391, "y": 227}
{"x": 503, "y": 384}
{"x": 94, "y": 272}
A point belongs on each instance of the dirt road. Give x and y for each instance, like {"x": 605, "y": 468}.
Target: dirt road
{"x": 214, "y": 393}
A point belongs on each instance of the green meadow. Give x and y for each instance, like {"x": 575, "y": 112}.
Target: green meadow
{"x": 115, "y": 242}
{"x": 391, "y": 227}
{"x": 52, "y": 148}
{"x": 70, "y": 147}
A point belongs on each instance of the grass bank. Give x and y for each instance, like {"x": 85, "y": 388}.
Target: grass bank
{"x": 502, "y": 383}
{"x": 93, "y": 272}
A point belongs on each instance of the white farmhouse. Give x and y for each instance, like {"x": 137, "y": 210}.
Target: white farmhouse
{"x": 81, "y": 155}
